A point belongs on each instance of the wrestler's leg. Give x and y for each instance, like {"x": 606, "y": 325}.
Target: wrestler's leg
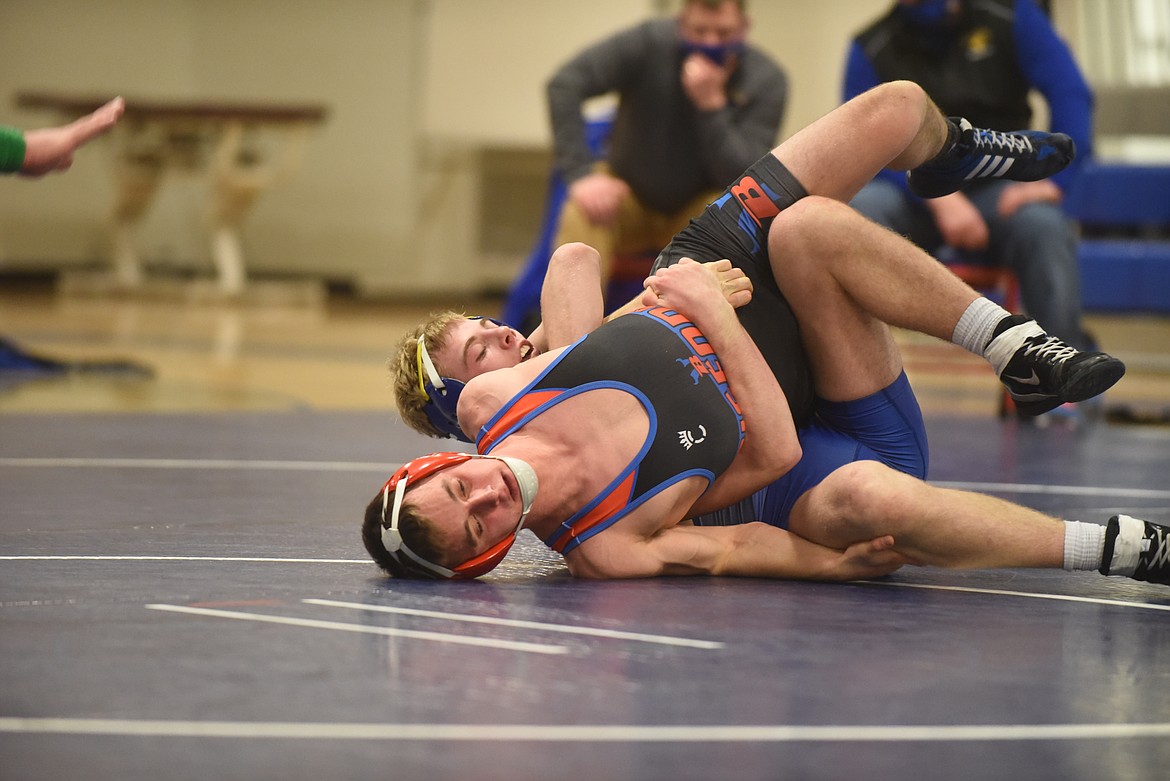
{"x": 894, "y": 125}
{"x": 846, "y": 278}
{"x": 948, "y": 528}
{"x": 930, "y": 525}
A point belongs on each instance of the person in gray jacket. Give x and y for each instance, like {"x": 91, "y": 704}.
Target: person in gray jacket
{"x": 697, "y": 105}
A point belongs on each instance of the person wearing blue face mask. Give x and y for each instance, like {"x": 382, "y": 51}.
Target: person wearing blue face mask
{"x": 981, "y": 59}
{"x": 697, "y": 104}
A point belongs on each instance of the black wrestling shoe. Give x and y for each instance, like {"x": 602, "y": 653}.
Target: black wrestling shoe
{"x": 1019, "y": 155}
{"x": 1042, "y": 372}
{"x": 1136, "y": 548}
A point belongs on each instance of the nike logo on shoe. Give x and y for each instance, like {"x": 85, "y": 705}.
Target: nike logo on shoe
{"x": 1033, "y": 380}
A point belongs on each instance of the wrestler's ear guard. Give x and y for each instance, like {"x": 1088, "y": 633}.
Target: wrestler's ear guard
{"x": 392, "y": 541}
{"x": 442, "y": 392}
{"x": 411, "y": 472}
{"x": 442, "y": 395}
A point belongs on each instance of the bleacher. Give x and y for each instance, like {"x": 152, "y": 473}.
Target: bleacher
{"x": 1124, "y": 215}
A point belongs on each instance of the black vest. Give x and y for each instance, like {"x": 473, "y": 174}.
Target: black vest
{"x": 970, "y": 71}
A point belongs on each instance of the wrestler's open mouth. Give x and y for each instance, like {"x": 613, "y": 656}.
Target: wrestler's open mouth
{"x": 526, "y": 351}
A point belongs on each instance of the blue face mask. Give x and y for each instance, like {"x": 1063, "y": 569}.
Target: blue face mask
{"x": 927, "y": 13}
{"x": 718, "y": 54}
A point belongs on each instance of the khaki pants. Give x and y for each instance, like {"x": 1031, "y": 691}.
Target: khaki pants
{"x": 630, "y": 245}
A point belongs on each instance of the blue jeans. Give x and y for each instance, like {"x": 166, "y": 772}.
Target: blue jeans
{"x": 1037, "y": 242}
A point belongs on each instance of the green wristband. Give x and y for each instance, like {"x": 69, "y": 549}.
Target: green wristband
{"x": 11, "y": 149}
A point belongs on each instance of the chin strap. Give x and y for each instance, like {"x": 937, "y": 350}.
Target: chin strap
{"x": 425, "y": 466}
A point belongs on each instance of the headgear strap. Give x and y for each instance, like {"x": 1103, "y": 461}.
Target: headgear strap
{"x": 392, "y": 541}
{"x": 442, "y": 393}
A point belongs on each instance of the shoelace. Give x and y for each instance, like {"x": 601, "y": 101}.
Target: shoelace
{"x": 1159, "y": 556}
{"x": 995, "y": 142}
{"x": 1050, "y": 349}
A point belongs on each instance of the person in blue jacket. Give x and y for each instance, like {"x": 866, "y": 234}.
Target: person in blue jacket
{"x": 980, "y": 59}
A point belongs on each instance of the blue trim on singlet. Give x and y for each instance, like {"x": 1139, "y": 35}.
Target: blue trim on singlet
{"x": 486, "y": 427}
{"x": 885, "y": 426}
{"x": 566, "y": 527}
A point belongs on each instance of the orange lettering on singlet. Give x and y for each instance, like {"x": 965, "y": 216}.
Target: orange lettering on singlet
{"x": 668, "y": 316}
{"x": 716, "y": 370}
{"x": 751, "y": 195}
{"x": 696, "y": 340}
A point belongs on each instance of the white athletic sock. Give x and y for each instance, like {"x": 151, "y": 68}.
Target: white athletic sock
{"x": 975, "y": 327}
{"x": 1083, "y": 545}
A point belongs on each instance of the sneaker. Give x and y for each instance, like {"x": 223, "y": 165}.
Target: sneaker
{"x": 1019, "y": 155}
{"x": 1136, "y": 548}
{"x": 1042, "y": 372}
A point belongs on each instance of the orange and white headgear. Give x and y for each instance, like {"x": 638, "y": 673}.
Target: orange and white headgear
{"x": 425, "y": 466}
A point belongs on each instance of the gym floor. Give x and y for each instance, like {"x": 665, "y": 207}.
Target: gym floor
{"x": 184, "y": 595}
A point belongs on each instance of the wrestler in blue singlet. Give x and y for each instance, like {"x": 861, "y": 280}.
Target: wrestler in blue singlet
{"x": 695, "y": 425}
{"x": 886, "y": 426}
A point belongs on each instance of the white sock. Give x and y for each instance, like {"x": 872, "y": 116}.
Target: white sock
{"x": 975, "y": 327}
{"x": 1083, "y": 545}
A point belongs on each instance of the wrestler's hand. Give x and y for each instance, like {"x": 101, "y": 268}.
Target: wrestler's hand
{"x": 51, "y": 149}
{"x": 736, "y": 286}
{"x": 692, "y": 288}
{"x": 869, "y": 559}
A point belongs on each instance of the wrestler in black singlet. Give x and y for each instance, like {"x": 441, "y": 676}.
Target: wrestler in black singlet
{"x": 736, "y": 227}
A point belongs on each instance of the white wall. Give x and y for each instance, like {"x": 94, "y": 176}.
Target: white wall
{"x": 416, "y": 89}
{"x": 349, "y": 208}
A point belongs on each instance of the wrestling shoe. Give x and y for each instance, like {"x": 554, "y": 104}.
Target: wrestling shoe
{"x": 1042, "y": 372}
{"x": 1136, "y": 548}
{"x": 1019, "y": 155}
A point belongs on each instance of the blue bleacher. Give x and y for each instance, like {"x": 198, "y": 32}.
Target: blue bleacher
{"x": 1124, "y": 214}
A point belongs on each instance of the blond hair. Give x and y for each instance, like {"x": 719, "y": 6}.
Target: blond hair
{"x": 408, "y": 393}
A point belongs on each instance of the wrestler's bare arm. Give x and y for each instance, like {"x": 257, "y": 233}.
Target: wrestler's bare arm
{"x": 572, "y": 301}
{"x": 747, "y": 550}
